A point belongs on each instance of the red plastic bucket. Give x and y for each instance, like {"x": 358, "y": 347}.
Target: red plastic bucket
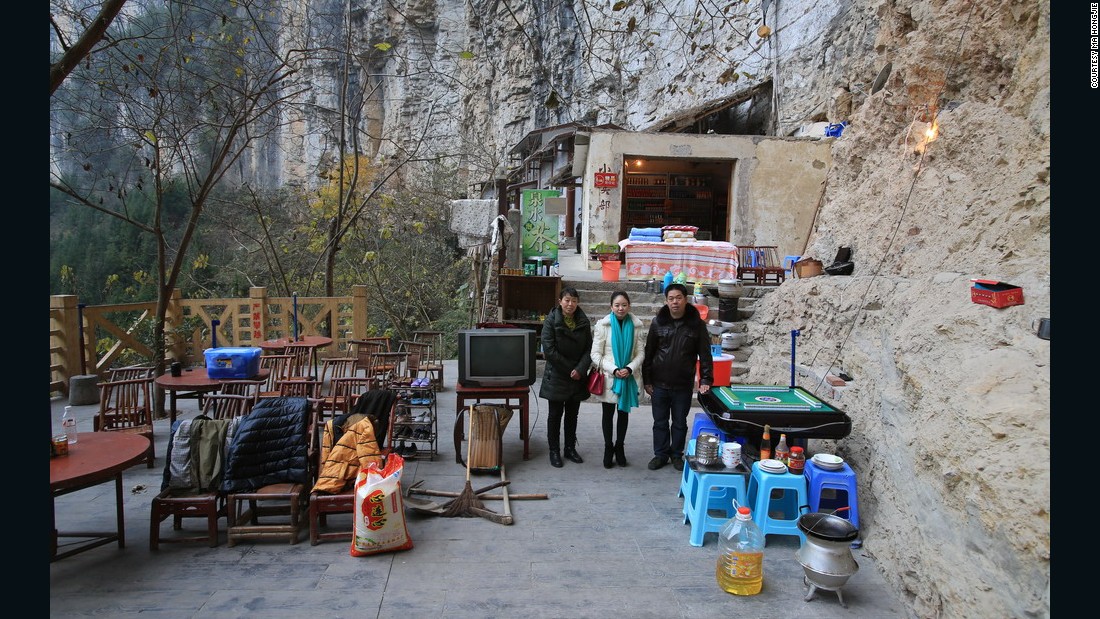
{"x": 611, "y": 270}
{"x": 723, "y": 366}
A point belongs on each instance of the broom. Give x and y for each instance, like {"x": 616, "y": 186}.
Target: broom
{"x": 466, "y": 504}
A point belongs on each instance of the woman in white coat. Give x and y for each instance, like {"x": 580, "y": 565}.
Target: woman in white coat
{"x": 618, "y": 347}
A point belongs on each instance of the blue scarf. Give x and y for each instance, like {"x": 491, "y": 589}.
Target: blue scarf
{"x": 622, "y": 347}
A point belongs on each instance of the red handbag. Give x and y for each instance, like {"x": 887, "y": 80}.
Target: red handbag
{"x": 595, "y": 381}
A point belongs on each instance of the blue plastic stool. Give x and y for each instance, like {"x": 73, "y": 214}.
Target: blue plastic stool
{"x": 704, "y": 492}
{"x": 765, "y": 508}
{"x": 703, "y": 423}
{"x": 840, "y": 481}
{"x": 788, "y": 264}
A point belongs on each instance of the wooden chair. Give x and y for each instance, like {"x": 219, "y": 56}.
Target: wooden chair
{"x": 322, "y": 505}
{"x": 130, "y": 372}
{"x": 433, "y": 365}
{"x": 389, "y": 369}
{"x": 303, "y": 363}
{"x": 180, "y": 503}
{"x": 283, "y": 500}
{"x": 126, "y": 406}
{"x": 343, "y": 392}
{"x": 249, "y": 387}
{"x": 300, "y": 388}
{"x": 420, "y": 354}
{"x": 227, "y": 405}
{"x": 280, "y": 370}
{"x": 337, "y": 367}
{"x": 366, "y": 347}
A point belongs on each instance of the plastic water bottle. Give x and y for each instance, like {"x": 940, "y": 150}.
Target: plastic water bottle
{"x": 740, "y": 568}
{"x": 667, "y": 281}
{"x": 68, "y": 424}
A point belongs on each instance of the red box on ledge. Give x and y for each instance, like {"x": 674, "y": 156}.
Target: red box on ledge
{"x": 996, "y": 294}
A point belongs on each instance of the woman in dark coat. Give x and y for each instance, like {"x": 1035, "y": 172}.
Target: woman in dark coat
{"x": 566, "y": 343}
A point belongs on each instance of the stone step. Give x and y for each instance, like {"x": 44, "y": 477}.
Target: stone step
{"x": 596, "y": 297}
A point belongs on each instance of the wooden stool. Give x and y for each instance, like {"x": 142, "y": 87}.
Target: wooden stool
{"x": 284, "y": 499}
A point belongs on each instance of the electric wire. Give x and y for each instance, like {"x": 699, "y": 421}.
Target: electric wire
{"x": 901, "y": 216}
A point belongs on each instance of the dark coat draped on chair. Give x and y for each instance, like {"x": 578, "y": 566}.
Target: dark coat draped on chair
{"x": 269, "y": 446}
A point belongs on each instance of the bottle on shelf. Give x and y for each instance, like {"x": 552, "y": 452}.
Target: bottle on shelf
{"x": 796, "y": 463}
{"x": 766, "y": 443}
{"x": 68, "y": 424}
{"x": 668, "y": 280}
{"x": 740, "y": 568}
{"x": 782, "y": 452}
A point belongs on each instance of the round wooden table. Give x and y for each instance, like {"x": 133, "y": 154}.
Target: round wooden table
{"x": 95, "y": 458}
{"x": 193, "y": 382}
{"x": 278, "y": 345}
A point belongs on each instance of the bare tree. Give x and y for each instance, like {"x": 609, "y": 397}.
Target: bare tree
{"x": 146, "y": 132}
{"x": 94, "y": 31}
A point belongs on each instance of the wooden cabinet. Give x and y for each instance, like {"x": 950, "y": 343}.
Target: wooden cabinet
{"x": 655, "y": 200}
{"x": 526, "y": 299}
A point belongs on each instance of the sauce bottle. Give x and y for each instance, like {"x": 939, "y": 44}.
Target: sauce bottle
{"x": 766, "y": 443}
{"x": 782, "y": 453}
{"x": 796, "y": 463}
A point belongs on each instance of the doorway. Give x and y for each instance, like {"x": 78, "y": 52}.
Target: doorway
{"x": 665, "y": 191}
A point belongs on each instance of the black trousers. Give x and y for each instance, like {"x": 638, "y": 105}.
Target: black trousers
{"x": 558, "y": 409}
{"x": 609, "y": 414}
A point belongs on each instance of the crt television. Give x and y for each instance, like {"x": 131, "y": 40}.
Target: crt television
{"x": 496, "y": 357}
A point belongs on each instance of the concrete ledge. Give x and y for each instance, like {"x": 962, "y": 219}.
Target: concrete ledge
{"x": 83, "y": 389}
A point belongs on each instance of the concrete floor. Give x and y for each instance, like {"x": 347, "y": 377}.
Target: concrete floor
{"x": 605, "y": 543}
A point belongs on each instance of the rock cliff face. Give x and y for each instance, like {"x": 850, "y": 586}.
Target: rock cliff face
{"x": 950, "y": 400}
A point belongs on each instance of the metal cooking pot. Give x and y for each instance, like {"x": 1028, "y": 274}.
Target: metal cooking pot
{"x": 826, "y": 557}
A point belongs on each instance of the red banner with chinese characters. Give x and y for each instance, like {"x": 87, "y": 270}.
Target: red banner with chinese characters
{"x": 607, "y": 179}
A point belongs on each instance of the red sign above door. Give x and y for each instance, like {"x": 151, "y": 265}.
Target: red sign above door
{"x": 607, "y": 179}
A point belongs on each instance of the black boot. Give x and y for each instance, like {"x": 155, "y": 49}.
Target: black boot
{"x": 572, "y": 455}
{"x": 620, "y": 436}
{"x": 620, "y": 453}
{"x": 555, "y": 459}
{"x": 608, "y": 454}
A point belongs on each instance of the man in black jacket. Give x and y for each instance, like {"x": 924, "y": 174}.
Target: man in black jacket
{"x": 677, "y": 338}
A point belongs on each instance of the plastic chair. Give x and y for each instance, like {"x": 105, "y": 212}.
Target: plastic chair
{"x": 777, "y": 515}
{"x": 704, "y": 492}
{"x": 821, "y": 482}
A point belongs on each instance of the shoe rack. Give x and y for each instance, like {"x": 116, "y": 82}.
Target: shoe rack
{"x": 415, "y": 422}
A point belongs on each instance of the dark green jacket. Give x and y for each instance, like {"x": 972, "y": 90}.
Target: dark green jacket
{"x": 565, "y": 350}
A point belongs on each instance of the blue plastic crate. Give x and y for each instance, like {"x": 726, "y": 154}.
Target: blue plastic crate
{"x": 232, "y": 362}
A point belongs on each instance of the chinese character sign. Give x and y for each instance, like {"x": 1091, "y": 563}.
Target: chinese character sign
{"x": 539, "y": 230}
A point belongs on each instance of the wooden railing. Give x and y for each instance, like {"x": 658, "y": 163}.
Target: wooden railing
{"x": 190, "y": 328}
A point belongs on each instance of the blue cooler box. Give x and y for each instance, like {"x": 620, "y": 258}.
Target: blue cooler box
{"x": 229, "y": 362}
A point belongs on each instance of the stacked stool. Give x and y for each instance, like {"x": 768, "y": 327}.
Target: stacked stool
{"x": 795, "y": 495}
{"x": 842, "y": 480}
{"x": 702, "y": 423}
{"x": 705, "y": 491}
